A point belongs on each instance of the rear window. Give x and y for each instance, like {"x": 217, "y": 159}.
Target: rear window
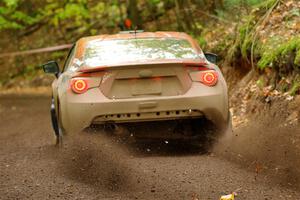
{"x": 109, "y": 52}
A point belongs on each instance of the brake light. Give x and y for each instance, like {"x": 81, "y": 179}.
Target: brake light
{"x": 79, "y": 86}
{"x": 204, "y": 75}
{"x": 209, "y": 78}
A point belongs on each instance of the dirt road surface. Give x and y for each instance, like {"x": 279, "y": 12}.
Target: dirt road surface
{"x": 99, "y": 166}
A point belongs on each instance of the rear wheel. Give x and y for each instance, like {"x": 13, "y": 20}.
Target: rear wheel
{"x": 55, "y": 123}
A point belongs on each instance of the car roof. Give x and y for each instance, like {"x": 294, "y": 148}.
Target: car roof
{"x": 81, "y": 43}
{"x": 132, "y": 35}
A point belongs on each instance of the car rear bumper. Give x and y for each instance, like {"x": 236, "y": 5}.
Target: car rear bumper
{"x": 80, "y": 111}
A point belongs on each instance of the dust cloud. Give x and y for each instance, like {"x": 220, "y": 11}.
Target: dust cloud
{"x": 271, "y": 151}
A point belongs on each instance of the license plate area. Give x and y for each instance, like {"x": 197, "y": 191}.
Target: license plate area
{"x": 146, "y": 87}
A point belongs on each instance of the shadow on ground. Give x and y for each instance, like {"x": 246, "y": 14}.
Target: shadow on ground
{"x": 112, "y": 163}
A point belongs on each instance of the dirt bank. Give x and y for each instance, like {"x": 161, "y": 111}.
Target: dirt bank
{"x": 267, "y": 131}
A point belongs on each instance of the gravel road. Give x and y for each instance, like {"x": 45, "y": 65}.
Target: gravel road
{"x": 94, "y": 165}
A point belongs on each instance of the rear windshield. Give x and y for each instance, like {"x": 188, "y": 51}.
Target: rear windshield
{"x": 109, "y": 52}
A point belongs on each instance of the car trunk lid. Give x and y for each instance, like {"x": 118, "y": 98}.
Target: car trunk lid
{"x": 145, "y": 80}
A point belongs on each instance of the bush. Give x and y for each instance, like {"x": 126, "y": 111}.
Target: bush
{"x": 275, "y": 56}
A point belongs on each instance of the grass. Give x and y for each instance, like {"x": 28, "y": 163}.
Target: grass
{"x": 231, "y": 3}
{"x": 286, "y": 50}
{"x": 295, "y": 86}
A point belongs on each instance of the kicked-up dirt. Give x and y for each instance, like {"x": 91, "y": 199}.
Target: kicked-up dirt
{"x": 95, "y": 165}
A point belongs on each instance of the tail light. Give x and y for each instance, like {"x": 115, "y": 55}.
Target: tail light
{"x": 209, "y": 78}
{"x": 79, "y": 86}
{"x": 82, "y": 82}
{"x": 204, "y": 75}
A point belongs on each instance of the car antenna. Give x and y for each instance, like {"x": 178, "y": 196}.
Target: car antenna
{"x": 135, "y": 28}
{"x": 135, "y": 31}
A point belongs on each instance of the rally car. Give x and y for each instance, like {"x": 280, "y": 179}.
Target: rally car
{"x": 138, "y": 77}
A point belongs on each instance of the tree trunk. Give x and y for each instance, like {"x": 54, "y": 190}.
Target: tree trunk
{"x": 133, "y": 14}
{"x": 213, "y": 5}
{"x": 184, "y": 15}
{"x": 178, "y": 12}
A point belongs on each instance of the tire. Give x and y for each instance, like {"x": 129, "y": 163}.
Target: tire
{"x": 55, "y": 123}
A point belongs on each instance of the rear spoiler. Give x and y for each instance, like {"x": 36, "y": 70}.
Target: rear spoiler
{"x": 192, "y": 63}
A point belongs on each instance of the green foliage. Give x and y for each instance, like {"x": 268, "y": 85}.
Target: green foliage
{"x": 16, "y": 14}
{"x": 245, "y": 35}
{"x": 271, "y": 56}
{"x": 58, "y": 55}
{"x": 232, "y": 3}
{"x": 295, "y": 87}
{"x": 8, "y": 8}
{"x": 12, "y": 18}
{"x": 260, "y": 82}
{"x": 76, "y": 10}
{"x": 11, "y": 3}
{"x": 266, "y": 4}
{"x": 243, "y": 39}
{"x": 297, "y": 57}
{"x": 202, "y": 42}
